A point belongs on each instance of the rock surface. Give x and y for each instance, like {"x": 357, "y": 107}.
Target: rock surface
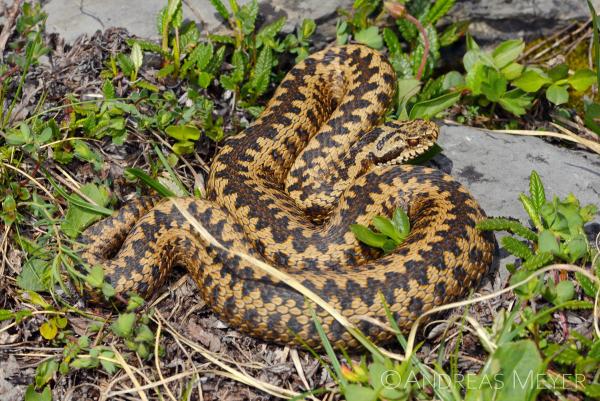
{"x": 495, "y": 168}
{"x": 492, "y": 20}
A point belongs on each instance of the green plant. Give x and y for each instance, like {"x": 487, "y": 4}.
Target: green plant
{"x": 496, "y": 77}
{"x": 592, "y": 108}
{"x": 392, "y": 232}
{"x": 558, "y": 225}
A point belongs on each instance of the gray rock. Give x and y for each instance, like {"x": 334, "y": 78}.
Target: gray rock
{"x": 496, "y": 167}
{"x": 495, "y": 20}
{"x": 492, "y": 20}
{"x": 71, "y": 18}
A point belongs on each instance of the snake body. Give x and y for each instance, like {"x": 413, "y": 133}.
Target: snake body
{"x": 286, "y": 190}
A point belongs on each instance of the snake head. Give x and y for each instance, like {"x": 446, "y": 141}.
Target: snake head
{"x": 397, "y": 142}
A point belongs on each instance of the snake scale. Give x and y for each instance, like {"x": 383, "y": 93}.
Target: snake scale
{"x": 286, "y": 189}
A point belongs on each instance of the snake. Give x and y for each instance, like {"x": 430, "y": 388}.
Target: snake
{"x": 320, "y": 157}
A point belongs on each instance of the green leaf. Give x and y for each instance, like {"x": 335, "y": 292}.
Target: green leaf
{"x": 547, "y": 242}
{"x": 516, "y": 247}
{"x": 582, "y": 79}
{"x": 511, "y": 374}
{"x": 259, "y": 83}
{"x": 370, "y": 36}
{"x": 536, "y": 190}
{"x": 557, "y": 94}
{"x": 558, "y": 72}
{"x": 595, "y": 350}
{"x": 77, "y": 218}
{"x": 123, "y": 326}
{"x": 307, "y": 28}
{"x": 95, "y": 277}
{"x": 453, "y": 80}
{"x": 537, "y": 261}
{"x": 266, "y": 35}
{"x": 592, "y": 117}
{"x": 588, "y": 286}
{"x": 516, "y": 101}
{"x": 247, "y": 16}
{"x": 531, "y": 211}
{"x": 356, "y": 392}
{"x": 565, "y": 291}
{"x": 401, "y": 222}
{"x": 391, "y": 41}
{"x": 152, "y": 183}
{"x": 367, "y": 236}
{"x": 590, "y": 389}
{"x": 221, "y": 9}
{"x": 385, "y": 226}
{"x": 532, "y": 80}
{"x": 512, "y": 71}
{"x": 108, "y": 366}
{"x": 49, "y": 330}
{"x": 503, "y": 224}
{"x": 439, "y": 9}
{"x": 430, "y": 108}
{"x": 137, "y": 57}
{"x": 45, "y": 371}
{"x": 183, "y": 132}
{"x": 32, "y": 395}
{"x": 34, "y": 275}
{"x": 507, "y": 52}
{"x": 577, "y": 247}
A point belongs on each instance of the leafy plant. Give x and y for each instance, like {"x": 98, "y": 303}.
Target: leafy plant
{"x": 391, "y": 232}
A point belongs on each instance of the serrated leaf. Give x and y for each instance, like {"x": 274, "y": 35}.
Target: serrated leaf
{"x": 516, "y": 247}
{"x": 536, "y": 190}
{"x": 503, "y": 224}
{"x": 34, "y": 275}
{"x": 588, "y": 286}
{"x": 391, "y": 41}
{"x": 137, "y": 57}
{"x": 531, "y": 211}
{"x": 439, "y": 9}
{"x": 261, "y": 75}
{"x": 370, "y": 36}
{"x": 221, "y": 9}
{"x": 537, "y": 261}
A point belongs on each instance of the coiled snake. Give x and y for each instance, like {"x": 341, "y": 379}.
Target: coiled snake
{"x": 286, "y": 190}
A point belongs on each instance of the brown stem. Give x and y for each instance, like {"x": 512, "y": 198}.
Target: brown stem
{"x": 12, "y": 71}
{"x": 399, "y": 11}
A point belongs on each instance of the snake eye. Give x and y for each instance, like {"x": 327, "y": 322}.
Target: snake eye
{"x": 412, "y": 141}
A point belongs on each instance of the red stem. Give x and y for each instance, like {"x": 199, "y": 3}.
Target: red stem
{"x": 399, "y": 11}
